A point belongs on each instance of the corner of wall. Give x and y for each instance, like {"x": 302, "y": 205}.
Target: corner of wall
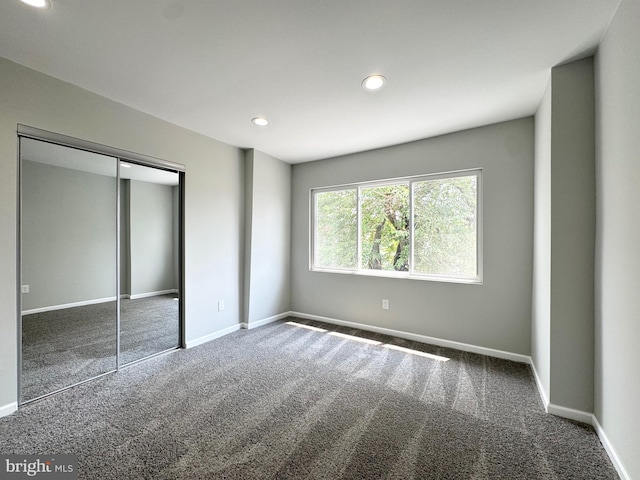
{"x": 541, "y": 284}
{"x": 247, "y": 237}
{"x": 564, "y": 230}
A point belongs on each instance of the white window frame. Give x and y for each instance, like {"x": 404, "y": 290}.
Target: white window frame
{"x": 478, "y": 279}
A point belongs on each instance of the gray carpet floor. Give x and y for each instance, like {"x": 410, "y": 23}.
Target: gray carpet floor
{"x": 285, "y": 402}
{"x": 64, "y": 347}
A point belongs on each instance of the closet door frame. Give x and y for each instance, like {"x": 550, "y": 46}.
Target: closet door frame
{"x": 24, "y": 131}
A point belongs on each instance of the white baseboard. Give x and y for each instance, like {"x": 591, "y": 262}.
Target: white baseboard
{"x": 516, "y": 357}
{"x": 153, "y": 294}
{"x": 591, "y": 419}
{"x": 541, "y": 390}
{"x": 570, "y": 413}
{"x": 8, "y": 409}
{"x": 615, "y": 459}
{"x": 68, "y": 305}
{"x": 233, "y": 328}
{"x": 265, "y": 321}
{"x": 97, "y": 300}
{"x": 584, "y": 417}
{"x": 212, "y": 336}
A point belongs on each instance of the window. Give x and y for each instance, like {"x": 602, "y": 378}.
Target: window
{"x": 424, "y": 227}
{"x": 384, "y": 227}
{"x": 337, "y": 229}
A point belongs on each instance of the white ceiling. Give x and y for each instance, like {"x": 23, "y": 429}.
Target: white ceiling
{"x": 212, "y": 65}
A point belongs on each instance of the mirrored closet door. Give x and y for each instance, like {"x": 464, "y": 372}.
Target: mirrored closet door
{"x": 149, "y": 270}
{"x": 100, "y": 264}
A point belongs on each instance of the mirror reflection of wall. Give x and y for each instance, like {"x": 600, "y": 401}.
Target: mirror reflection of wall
{"x": 69, "y": 241}
{"x": 68, "y": 266}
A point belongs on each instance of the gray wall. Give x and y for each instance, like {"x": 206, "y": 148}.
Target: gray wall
{"x": 494, "y": 315}
{"x": 617, "y": 388}
{"x": 64, "y": 211}
{"x": 214, "y": 190}
{"x": 69, "y": 229}
{"x": 152, "y": 223}
{"x": 268, "y": 237}
{"x": 562, "y": 314}
{"x": 572, "y": 234}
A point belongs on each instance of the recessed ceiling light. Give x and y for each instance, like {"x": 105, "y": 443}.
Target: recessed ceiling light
{"x": 125, "y": 165}
{"x": 260, "y": 121}
{"x": 374, "y": 82}
{"x": 38, "y": 3}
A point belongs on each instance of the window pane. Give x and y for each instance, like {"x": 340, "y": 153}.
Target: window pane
{"x": 336, "y": 232}
{"x": 445, "y": 226}
{"x": 384, "y": 217}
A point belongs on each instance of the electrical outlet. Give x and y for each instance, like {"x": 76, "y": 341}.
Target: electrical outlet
{"x": 385, "y": 304}
{"x": 220, "y": 305}
{"x": 25, "y": 288}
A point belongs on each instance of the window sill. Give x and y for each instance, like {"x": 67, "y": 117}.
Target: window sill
{"x": 401, "y": 275}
